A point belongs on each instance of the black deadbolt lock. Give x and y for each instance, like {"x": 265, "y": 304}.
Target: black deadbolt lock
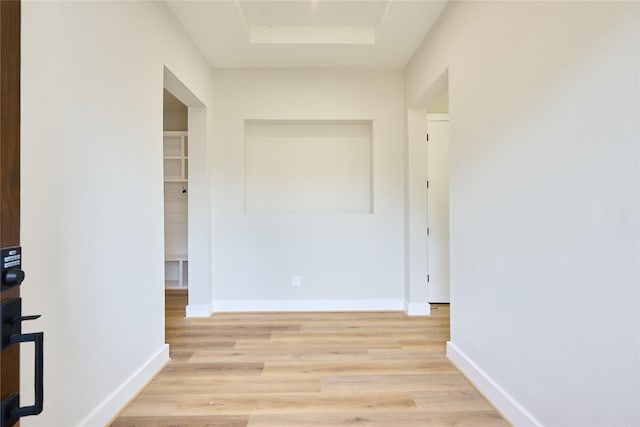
{"x": 13, "y": 277}
{"x": 11, "y": 267}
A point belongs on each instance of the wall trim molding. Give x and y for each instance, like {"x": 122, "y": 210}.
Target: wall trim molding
{"x": 417, "y": 308}
{"x": 110, "y": 407}
{"x": 515, "y": 413}
{"x": 221, "y": 306}
{"x": 199, "y": 310}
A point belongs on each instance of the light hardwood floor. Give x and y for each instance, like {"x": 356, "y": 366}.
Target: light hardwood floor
{"x": 308, "y": 369}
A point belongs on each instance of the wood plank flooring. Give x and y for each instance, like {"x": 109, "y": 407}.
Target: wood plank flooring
{"x": 308, "y": 369}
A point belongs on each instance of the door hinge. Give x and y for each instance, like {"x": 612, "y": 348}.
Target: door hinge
{"x": 427, "y": 231}
{"x": 427, "y": 137}
{"x": 427, "y": 184}
{"x": 427, "y": 278}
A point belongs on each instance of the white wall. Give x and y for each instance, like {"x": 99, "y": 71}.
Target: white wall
{"x": 544, "y": 109}
{"x": 345, "y": 260}
{"x": 175, "y": 115}
{"x": 92, "y": 203}
{"x": 307, "y": 166}
{"x": 175, "y": 120}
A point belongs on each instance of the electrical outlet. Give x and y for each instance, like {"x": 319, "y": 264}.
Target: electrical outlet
{"x": 296, "y": 281}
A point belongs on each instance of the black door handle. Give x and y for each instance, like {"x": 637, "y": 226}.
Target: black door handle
{"x": 10, "y": 410}
{"x": 37, "y": 338}
{"x": 11, "y": 316}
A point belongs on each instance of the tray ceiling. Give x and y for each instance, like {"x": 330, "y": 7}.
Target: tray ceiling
{"x": 307, "y": 33}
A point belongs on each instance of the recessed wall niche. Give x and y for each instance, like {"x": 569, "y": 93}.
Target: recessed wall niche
{"x": 321, "y": 166}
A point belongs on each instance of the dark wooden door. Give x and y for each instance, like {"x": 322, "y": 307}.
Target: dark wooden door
{"x": 10, "y": 169}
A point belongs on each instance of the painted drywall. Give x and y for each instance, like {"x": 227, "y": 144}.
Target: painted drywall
{"x": 348, "y": 260}
{"x": 175, "y": 116}
{"x": 544, "y": 109}
{"x": 440, "y": 104}
{"x": 307, "y": 166}
{"x": 175, "y": 120}
{"x": 92, "y": 201}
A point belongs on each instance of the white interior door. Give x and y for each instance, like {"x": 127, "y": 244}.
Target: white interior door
{"x": 438, "y": 208}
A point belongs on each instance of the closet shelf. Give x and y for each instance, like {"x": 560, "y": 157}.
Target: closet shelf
{"x": 176, "y": 180}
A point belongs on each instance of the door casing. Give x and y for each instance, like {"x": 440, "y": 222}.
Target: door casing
{"x": 10, "y": 19}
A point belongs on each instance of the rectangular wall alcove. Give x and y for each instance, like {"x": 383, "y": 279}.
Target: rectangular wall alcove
{"x": 314, "y": 166}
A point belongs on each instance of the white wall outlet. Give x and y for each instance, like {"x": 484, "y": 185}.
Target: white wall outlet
{"x": 296, "y": 281}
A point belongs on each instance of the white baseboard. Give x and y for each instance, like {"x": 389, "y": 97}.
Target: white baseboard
{"x": 417, "y": 309}
{"x": 199, "y": 310}
{"x": 503, "y": 401}
{"x": 116, "y": 401}
{"x": 221, "y": 306}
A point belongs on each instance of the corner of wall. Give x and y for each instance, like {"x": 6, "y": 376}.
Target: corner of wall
{"x": 111, "y": 406}
{"x": 199, "y": 310}
{"x": 417, "y": 309}
{"x": 503, "y": 401}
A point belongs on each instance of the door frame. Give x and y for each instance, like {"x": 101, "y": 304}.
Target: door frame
{"x": 199, "y": 202}
{"x": 416, "y": 294}
{"x": 10, "y": 20}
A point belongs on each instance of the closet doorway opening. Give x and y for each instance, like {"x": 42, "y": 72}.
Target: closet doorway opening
{"x": 438, "y": 269}
{"x": 175, "y": 156}
{"x": 186, "y": 169}
{"x": 438, "y": 191}
{"x": 427, "y": 280}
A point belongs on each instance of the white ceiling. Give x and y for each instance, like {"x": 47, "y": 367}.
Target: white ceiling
{"x": 307, "y": 33}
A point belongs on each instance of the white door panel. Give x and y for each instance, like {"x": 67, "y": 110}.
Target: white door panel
{"x": 438, "y": 211}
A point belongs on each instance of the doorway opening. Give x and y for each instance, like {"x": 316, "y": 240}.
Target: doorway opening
{"x": 427, "y": 231}
{"x": 438, "y": 269}
{"x": 187, "y": 167}
{"x": 175, "y": 155}
{"x": 438, "y": 278}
